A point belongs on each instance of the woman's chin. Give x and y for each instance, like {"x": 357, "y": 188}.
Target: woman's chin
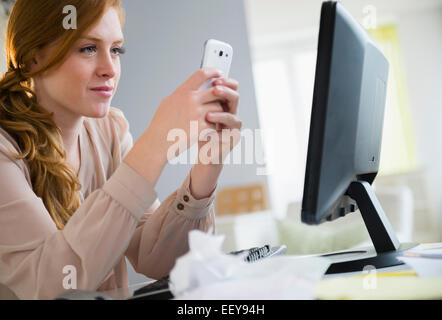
{"x": 99, "y": 110}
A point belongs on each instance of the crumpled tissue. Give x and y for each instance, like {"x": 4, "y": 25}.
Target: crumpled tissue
{"x": 205, "y": 272}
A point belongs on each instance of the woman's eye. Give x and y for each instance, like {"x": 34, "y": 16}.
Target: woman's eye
{"x": 118, "y": 50}
{"x": 90, "y": 49}
{"x": 93, "y": 49}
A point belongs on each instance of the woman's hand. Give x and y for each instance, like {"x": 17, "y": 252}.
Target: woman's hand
{"x": 178, "y": 110}
{"x": 215, "y": 145}
{"x": 174, "y": 116}
{"x": 213, "y": 151}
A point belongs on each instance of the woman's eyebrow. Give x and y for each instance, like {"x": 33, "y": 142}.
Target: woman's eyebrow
{"x": 100, "y": 40}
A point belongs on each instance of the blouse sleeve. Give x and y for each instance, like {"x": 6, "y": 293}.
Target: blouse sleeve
{"x": 36, "y": 257}
{"x": 161, "y": 235}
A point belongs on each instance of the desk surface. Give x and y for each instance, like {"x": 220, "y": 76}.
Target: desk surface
{"x": 387, "y": 283}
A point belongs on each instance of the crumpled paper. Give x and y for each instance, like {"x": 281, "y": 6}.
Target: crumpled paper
{"x": 206, "y": 272}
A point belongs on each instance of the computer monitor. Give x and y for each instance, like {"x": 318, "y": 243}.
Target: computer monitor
{"x": 346, "y": 133}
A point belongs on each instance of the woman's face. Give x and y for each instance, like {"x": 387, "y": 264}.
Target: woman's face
{"x": 79, "y": 84}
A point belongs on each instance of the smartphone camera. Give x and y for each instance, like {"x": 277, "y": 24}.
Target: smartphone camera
{"x": 221, "y": 53}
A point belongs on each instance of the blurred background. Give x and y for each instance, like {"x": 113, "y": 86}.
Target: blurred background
{"x": 283, "y": 37}
{"x": 274, "y": 60}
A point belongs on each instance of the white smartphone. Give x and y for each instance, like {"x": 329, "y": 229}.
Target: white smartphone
{"x": 216, "y": 54}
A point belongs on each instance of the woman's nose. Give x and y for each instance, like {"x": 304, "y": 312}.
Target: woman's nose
{"x": 106, "y": 66}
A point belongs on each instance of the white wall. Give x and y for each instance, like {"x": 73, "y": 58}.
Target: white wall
{"x": 420, "y": 35}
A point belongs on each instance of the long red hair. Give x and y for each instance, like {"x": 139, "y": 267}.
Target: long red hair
{"x": 34, "y": 25}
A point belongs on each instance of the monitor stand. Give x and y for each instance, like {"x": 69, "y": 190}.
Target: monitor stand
{"x": 385, "y": 242}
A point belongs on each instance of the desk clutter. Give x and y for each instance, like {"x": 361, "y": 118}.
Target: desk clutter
{"x": 160, "y": 289}
{"x": 207, "y": 273}
{"x": 425, "y": 260}
{"x": 392, "y": 287}
{"x": 291, "y": 277}
{"x": 422, "y": 281}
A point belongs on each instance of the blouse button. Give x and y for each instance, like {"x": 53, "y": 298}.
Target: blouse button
{"x": 180, "y": 206}
{"x": 186, "y": 198}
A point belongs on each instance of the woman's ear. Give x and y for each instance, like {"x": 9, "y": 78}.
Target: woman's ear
{"x": 41, "y": 57}
{"x": 33, "y": 67}
{"x": 36, "y": 64}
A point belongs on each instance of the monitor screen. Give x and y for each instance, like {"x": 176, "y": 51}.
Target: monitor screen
{"x": 346, "y": 118}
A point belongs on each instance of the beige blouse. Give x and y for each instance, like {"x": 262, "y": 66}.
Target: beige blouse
{"x": 120, "y": 216}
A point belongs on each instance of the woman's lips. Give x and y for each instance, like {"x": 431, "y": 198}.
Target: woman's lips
{"x": 103, "y": 91}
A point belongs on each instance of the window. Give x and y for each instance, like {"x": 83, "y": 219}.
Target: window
{"x": 398, "y": 153}
{"x": 284, "y": 79}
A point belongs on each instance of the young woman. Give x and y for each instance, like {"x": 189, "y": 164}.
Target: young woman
{"x": 76, "y": 195}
